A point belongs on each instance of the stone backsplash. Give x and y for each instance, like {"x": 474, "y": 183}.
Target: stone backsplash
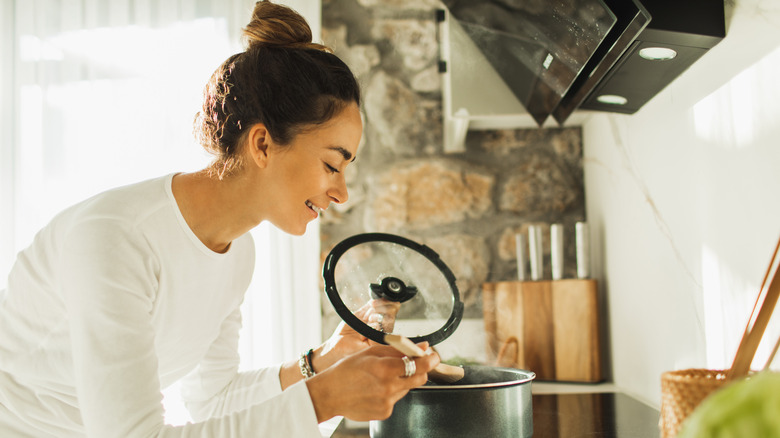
{"x": 465, "y": 206}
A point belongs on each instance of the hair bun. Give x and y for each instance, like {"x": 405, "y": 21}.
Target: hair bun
{"x": 279, "y": 26}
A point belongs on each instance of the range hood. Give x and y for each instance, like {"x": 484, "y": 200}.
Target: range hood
{"x": 524, "y": 63}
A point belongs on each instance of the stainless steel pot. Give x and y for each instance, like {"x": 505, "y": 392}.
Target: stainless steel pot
{"x": 487, "y": 402}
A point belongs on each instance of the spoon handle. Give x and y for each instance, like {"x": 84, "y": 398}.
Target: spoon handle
{"x": 442, "y": 373}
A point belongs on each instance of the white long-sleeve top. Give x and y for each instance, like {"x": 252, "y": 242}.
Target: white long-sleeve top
{"x": 117, "y": 298}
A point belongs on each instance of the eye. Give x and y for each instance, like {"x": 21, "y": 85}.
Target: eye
{"x": 331, "y": 169}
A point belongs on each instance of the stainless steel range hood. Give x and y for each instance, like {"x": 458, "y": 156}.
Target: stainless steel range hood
{"x": 513, "y": 63}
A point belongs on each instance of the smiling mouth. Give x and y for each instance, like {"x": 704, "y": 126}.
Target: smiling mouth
{"x": 314, "y": 208}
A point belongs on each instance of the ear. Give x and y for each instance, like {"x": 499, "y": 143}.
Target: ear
{"x": 258, "y": 144}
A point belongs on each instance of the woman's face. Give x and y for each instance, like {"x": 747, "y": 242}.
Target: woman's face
{"x": 308, "y": 173}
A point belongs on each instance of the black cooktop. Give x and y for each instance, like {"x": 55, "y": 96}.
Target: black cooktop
{"x": 592, "y": 415}
{"x": 607, "y": 415}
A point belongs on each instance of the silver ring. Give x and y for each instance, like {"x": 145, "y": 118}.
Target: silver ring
{"x": 376, "y": 321}
{"x": 409, "y": 367}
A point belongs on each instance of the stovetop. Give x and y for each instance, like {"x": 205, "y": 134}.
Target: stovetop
{"x": 592, "y": 415}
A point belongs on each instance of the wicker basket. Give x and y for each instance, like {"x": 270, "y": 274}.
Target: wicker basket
{"x": 681, "y": 393}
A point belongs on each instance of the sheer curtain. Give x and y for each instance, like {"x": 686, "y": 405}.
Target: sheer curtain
{"x": 103, "y": 93}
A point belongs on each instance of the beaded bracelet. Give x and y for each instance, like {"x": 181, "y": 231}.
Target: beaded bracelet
{"x": 310, "y": 360}
{"x": 304, "y": 362}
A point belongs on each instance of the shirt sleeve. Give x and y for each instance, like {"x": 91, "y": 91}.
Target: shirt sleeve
{"x": 109, "y": 286}
{"x": 216, "y": 388}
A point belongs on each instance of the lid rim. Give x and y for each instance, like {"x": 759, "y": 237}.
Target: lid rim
{"x": 328, "y": 275}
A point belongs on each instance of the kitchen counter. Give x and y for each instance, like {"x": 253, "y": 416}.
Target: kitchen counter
{"x": 609, "y": 414}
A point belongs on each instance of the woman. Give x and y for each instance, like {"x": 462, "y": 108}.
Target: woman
{"x": 138, "y": 287}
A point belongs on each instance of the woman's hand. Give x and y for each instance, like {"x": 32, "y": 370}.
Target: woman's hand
{"x": 379, "y": 314}
{"x": 366, "y": 385}
{"x": 345, "y": 341}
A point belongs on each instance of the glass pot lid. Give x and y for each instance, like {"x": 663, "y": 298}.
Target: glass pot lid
{"x": 382, "y": 283}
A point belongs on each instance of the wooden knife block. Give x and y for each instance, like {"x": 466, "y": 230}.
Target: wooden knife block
{"x": 548, "y": 327}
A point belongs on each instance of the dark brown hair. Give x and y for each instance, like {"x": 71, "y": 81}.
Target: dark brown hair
{"x": 282, "y": 80}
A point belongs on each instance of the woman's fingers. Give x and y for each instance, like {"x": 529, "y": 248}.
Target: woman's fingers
{"x": 379, "y": 314}
{"x": 419, "y": 367}
{"x": 377, "y": 322}
{"x": 407, "y": 367}
{"x": 385, "y": 306}
{"x": 365, "y": 386}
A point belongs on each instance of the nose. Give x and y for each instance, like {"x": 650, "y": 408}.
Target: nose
{"x": 338, "y": 193}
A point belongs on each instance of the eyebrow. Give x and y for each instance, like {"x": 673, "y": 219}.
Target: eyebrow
{"x": 344, "y": 153}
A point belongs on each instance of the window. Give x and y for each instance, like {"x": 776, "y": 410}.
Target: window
{"x": 102, "y": 94}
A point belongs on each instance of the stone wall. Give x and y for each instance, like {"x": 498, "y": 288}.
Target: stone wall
{"x": 465, "y": 206}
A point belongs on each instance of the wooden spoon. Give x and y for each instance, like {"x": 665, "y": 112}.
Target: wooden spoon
{"x": 759, "y": 319}
{"x": 443, "y": 373}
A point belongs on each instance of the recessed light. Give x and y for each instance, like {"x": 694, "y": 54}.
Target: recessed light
{"x": 657, "y": 53}
{"x": 612, "y": 99}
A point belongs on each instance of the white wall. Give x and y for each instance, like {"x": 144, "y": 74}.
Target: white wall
{"x": 684, "y": 203}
